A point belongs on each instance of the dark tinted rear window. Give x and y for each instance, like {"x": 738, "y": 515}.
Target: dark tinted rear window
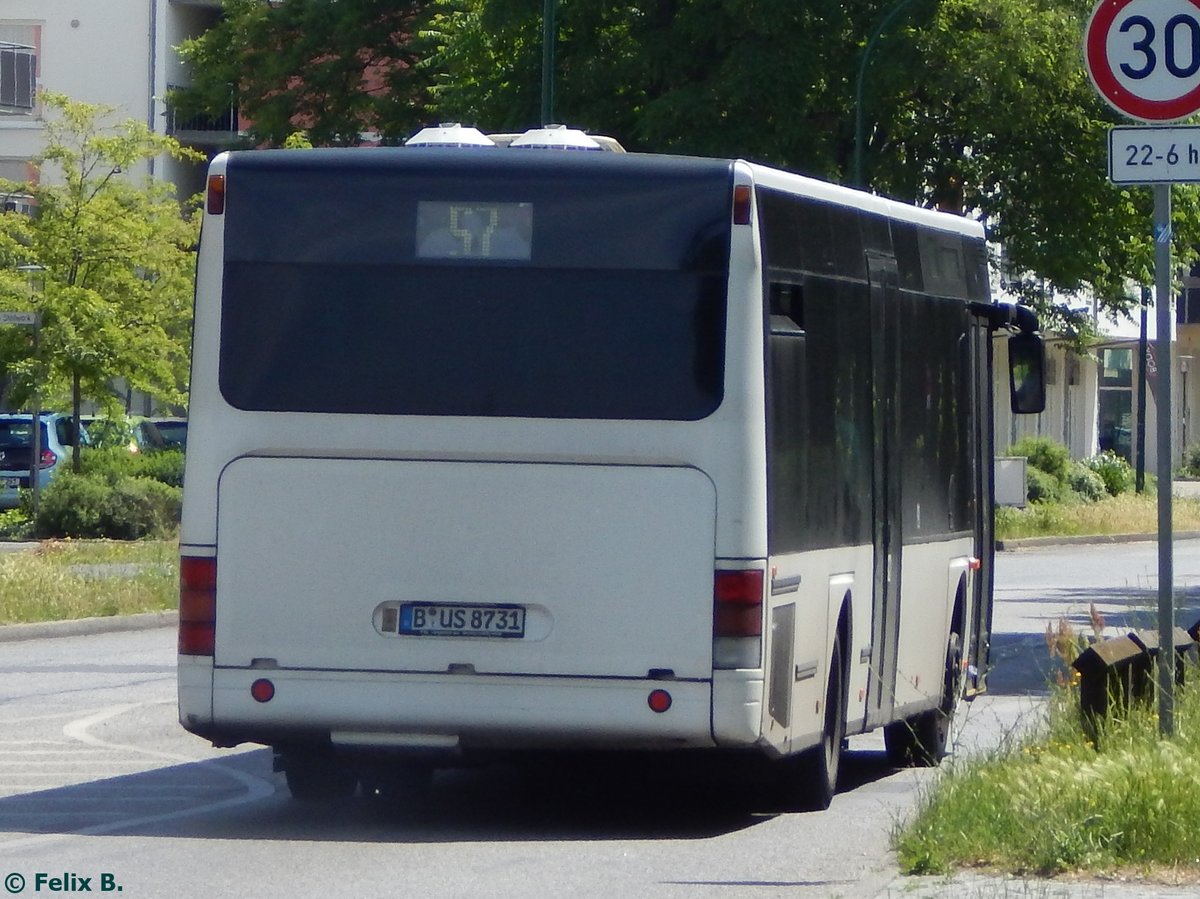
{"x": 513, "y": 283}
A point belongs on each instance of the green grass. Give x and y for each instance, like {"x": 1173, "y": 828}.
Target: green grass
{"x": 1052, "y": 802}
{"x": 1124, "y": 514}
{"x": 66, "y": 579}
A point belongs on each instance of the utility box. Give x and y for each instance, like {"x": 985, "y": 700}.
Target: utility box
{"x": 1121, "y": 669}
{"x": 1010, "y": 481}
{"x": 1113, "y": 670}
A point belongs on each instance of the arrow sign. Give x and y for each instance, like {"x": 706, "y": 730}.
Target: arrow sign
{"x": 1143, "y": 57}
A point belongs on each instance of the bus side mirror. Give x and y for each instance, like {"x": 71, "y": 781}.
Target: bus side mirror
{"x": 1026, "y": 368}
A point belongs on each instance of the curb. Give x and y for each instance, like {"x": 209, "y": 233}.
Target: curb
{"x": 1100, "y": 539}
{"x": 12, "y": 633}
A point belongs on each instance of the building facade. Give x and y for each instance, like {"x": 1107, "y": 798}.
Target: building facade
{"x": 119, "y": 53}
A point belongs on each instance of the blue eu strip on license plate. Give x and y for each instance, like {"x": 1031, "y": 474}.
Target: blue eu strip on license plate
{"x": 460, "y": 620}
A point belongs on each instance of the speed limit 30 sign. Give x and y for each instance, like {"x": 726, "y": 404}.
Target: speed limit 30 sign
{"x": 1143, "y": 56}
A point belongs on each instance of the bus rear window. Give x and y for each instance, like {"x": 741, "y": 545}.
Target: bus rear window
{"x": 501, "y": 292}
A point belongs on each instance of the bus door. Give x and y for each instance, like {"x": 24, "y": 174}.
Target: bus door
{"x": 886, "y": 487}
{"x": 983, "y": 451}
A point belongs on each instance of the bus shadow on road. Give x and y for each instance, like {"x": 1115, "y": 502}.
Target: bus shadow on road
{"x": 239, "y": 798}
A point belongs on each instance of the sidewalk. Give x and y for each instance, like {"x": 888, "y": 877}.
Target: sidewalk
{"x": 968, "y": 885}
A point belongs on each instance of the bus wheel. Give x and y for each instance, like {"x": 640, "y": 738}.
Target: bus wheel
{"x": 314, "y": 776}
{"x": 815, "y": 781}
{"x": 921, "y": 741}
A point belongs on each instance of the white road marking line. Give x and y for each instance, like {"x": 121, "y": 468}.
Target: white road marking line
{"x": 256, "y": 787}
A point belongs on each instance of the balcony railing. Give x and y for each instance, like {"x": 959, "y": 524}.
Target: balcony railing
{"x": 203, "y": 128}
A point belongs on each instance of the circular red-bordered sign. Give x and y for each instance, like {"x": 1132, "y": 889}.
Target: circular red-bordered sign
{"x": 1156, "y": 76}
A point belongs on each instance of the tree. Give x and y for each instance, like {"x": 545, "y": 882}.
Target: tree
{"x": 332, "y": 70}
{"x": 979, "y": 107}
{"x": 107, "y": 262}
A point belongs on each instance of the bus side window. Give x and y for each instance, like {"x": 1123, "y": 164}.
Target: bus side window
{"x": 787, "y": 300}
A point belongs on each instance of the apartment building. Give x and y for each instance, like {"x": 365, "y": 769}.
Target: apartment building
{"x": 119, "y": 53}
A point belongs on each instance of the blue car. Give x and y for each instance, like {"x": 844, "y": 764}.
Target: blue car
{"x": 16, "y": 451}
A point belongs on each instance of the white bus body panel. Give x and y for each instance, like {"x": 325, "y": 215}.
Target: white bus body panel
{"x": 613, "y": 563}
{"x": 467, "y": 712}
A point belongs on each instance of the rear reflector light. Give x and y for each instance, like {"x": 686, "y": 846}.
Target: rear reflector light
{"x": 659, "y": 701}
{"x": 197, "y": 605}
{"x": 737, "y": 603}
{"x": 262, "y": 690}
{"x": 216, "y": 195}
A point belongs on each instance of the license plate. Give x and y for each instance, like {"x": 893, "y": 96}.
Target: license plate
{"x": 10, "y": 483}
{"x": 423, "y": 619}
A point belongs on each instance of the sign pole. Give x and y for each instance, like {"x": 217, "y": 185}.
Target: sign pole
{"x": 1166, "y": 573}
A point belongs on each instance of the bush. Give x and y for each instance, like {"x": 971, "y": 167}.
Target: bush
{"x": 141, "y": 507}
{"x": 1117, "y": 474}
{"x": 15, "y": 525}
{"x": 1087, "y": 484}
{"x": 1191, "y": 462}
{"x": 1045, "y": 455}
{"x": 72, "y": 506}
{"x": 115, "y": 463}
{"x": 1041, "y": 487}
{"x": 99, "y": 505}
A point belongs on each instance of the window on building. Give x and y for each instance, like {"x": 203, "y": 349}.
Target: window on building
{"x": 1116, "y": 401}
{"x": 18, "y": 67}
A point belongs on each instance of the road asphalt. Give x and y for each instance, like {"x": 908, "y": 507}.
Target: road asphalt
{"x": 961, "y": 885}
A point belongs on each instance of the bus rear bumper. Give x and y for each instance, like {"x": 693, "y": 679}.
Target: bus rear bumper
{"x": 461, "y": 712}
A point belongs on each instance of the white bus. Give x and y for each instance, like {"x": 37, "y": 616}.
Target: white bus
{"x": 498, "y": 450}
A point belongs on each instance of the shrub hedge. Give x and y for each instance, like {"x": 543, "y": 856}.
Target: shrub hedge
{"x": 1051, "y": 476}
{"x": 117, "y": 495}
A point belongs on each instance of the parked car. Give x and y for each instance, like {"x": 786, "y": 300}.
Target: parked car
{"x": 16, "y": 451}
{"x": 106, "y": 432}
{"x": 163, "y": 433}
{"x": 137, "y": 434}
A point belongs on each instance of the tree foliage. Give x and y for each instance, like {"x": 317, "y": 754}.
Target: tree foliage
{"x": 333, "y": 70}
{"x": 980, "y": 107}
{"x": 106, "y": 261}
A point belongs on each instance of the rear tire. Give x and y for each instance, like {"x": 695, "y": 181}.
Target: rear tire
{"x": 813, "y": 774}
{"x": 921, "y": 741}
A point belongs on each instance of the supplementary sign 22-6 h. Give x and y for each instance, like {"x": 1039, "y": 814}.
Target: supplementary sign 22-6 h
{"x": 1154, "y": 153}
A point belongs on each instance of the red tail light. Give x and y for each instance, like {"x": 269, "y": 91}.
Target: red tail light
{"x": 741, "y": 204}
{"x": 216, "y": 195}
{"x": 737, "y": 603}
{"x": 197, "y": 605}
{"x": 47, "y": 459}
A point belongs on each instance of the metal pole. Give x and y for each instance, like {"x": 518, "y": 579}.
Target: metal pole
{"x": 1140, "y": 445}
{"x": 35, "y": 463}
{"x": 1166, "y": 573}
{"x": 549, "y": 32}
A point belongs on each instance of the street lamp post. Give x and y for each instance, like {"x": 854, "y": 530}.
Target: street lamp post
{"x": 548, "y": 37}
{"x": 858, "y": 88}
{"x": 35, "y": 462}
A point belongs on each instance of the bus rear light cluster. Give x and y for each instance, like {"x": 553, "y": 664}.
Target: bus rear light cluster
{"x": 738, "y": 618}
{"x": 737, "y": 603}
{"x": 197, "y": 605}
